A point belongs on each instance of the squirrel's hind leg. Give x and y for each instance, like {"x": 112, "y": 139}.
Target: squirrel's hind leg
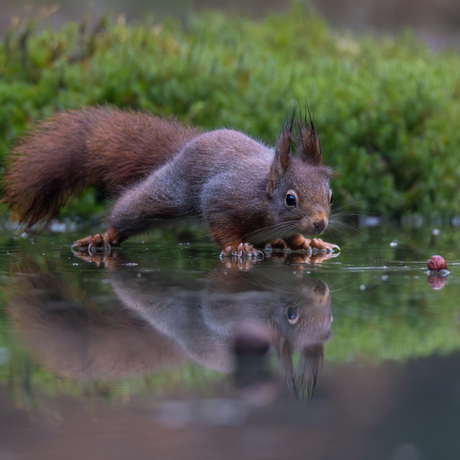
{"x": 136, "y": 211}
{"x": 107, "y": 240}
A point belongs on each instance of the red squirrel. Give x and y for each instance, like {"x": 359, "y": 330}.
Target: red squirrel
{"x": 158, "y": 169}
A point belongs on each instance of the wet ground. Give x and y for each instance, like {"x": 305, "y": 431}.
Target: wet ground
{"x": 164, "y": 351}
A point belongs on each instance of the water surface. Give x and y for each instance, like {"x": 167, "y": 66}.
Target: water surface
{"x": 162, "y": 350}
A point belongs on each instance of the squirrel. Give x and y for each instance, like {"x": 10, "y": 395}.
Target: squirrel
{"x": 158, "y": 169}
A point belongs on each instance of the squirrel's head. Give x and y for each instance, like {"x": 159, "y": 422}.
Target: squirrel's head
{"x": 298, "y": 185}
{"x": 304, "y": 324}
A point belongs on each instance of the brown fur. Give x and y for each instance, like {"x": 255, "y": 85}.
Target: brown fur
{"x": 79, "y": 148}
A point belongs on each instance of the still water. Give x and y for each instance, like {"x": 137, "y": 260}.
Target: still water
{"x": 164, "y": 351}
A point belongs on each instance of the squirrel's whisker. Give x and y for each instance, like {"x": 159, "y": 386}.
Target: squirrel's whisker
{"x": 271, "y": 231}
{"x": 349, "y": 204}
{"x": 341, "y": 224}
{"x": 350, "y": 213}
{"x": 331, "y": 228}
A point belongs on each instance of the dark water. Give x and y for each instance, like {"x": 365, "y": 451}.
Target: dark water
{"x": 164, "y": 351}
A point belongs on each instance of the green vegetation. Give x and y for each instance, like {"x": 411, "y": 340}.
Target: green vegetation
{"x": 387, "y": 108}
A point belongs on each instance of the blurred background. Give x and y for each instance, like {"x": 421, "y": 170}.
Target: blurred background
{"x": 436, "y": 20}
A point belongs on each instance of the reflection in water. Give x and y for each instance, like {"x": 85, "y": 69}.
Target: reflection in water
{"x": 389, "y": 387}
{"x": 225, "y": 321}
{"x": 437, "y": 281}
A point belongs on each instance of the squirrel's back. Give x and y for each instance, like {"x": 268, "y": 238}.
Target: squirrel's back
{"x": 225, "y": 151}
{"x": 78, "y": 148}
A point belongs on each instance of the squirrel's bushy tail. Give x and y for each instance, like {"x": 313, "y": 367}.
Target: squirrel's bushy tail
{"x": 75, "y": 149}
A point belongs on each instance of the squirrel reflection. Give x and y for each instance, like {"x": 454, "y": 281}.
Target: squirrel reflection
{"x": 155, "y": 322}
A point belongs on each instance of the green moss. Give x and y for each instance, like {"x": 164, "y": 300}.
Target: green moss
{"x": 387, "y": 108}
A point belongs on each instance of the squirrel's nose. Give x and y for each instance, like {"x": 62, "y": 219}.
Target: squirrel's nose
{"x": 320, "y": 225}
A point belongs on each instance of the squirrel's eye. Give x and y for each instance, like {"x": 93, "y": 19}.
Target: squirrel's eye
{"x": 290, "y": 200}
{"x": 291, "y": 313}
{"x": 330, "y": 202}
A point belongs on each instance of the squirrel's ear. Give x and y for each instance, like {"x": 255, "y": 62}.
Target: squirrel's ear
{"x": 284, "y": 352}
{"x": 307, "y": 142}
{"x": 310, "y": 362}
{"x": 282, "y": 156}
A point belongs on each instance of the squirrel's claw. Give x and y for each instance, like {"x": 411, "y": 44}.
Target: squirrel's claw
{"x": 88, "y": 242}
{"x": 276, "y": 244}
{"x": 105, "y": 240}
{"x": 226, "y": 252}
{"x": 334, "y": 247}
{"x": 249, "y": 250}
{"x": 313, "y": 246}
{"x": 241, "y": 250}
{"x": 322, "y": 246}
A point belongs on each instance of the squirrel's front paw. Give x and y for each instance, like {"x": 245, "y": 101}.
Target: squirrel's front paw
{"x": 322, "y": 246}
{"x": 298, "y": 241}
{"x": 242, "y": 249}
{"x": 277, "y": 244}
{"x": 107, "y": 240}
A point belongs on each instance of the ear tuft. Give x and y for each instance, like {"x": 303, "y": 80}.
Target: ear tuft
{"x": 282, "y": 153}
{"x": 307, "y": 140}
{"x": 283, "y": 144}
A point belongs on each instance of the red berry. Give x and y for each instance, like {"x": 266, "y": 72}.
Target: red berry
{"x": 437, "y": 263}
